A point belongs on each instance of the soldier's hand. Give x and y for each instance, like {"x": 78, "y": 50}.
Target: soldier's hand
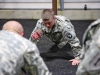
{"x": 74, "y": 61}
{"x": 37, "y": 34}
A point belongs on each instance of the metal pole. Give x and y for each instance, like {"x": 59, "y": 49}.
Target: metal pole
{"x": 61, "y": 5}
{"x": 54, "y": 6}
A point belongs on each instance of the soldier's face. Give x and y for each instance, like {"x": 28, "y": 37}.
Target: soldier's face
{"x": 49, "y": 23}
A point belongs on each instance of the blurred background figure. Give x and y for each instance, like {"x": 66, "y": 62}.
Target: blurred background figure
{"x": 18, "y": 56}
{"x": 90, "y": 58}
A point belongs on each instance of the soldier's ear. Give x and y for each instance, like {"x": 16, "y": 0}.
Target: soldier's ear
{"x": 22, "y": 34}
{"x": 54, "y": 18}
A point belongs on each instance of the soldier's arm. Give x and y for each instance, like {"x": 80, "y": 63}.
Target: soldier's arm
{"x": 34, "y": 64}
{"x": 36, "y": 33}
{"x": 70, "y": 35}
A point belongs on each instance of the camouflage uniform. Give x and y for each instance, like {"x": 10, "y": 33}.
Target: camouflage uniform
{"x": 62, "y": 33}
{"x": 18, "y": 54}
{"x": 90, "y": 58}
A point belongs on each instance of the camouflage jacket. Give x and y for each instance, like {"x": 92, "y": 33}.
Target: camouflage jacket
{"x": 63, "y": 32}
{"x": 90, "y": 58}
{"x": 18, "y": 54}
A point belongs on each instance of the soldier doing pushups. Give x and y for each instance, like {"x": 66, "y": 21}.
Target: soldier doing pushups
{"x": 59, "y": 29}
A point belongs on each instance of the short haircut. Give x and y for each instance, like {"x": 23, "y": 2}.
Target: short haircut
{"x": 47, "y": 14}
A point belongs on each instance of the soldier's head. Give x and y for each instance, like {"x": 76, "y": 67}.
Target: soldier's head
{"x": 48, "y": 18}
{"x": 14, "y": 26}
